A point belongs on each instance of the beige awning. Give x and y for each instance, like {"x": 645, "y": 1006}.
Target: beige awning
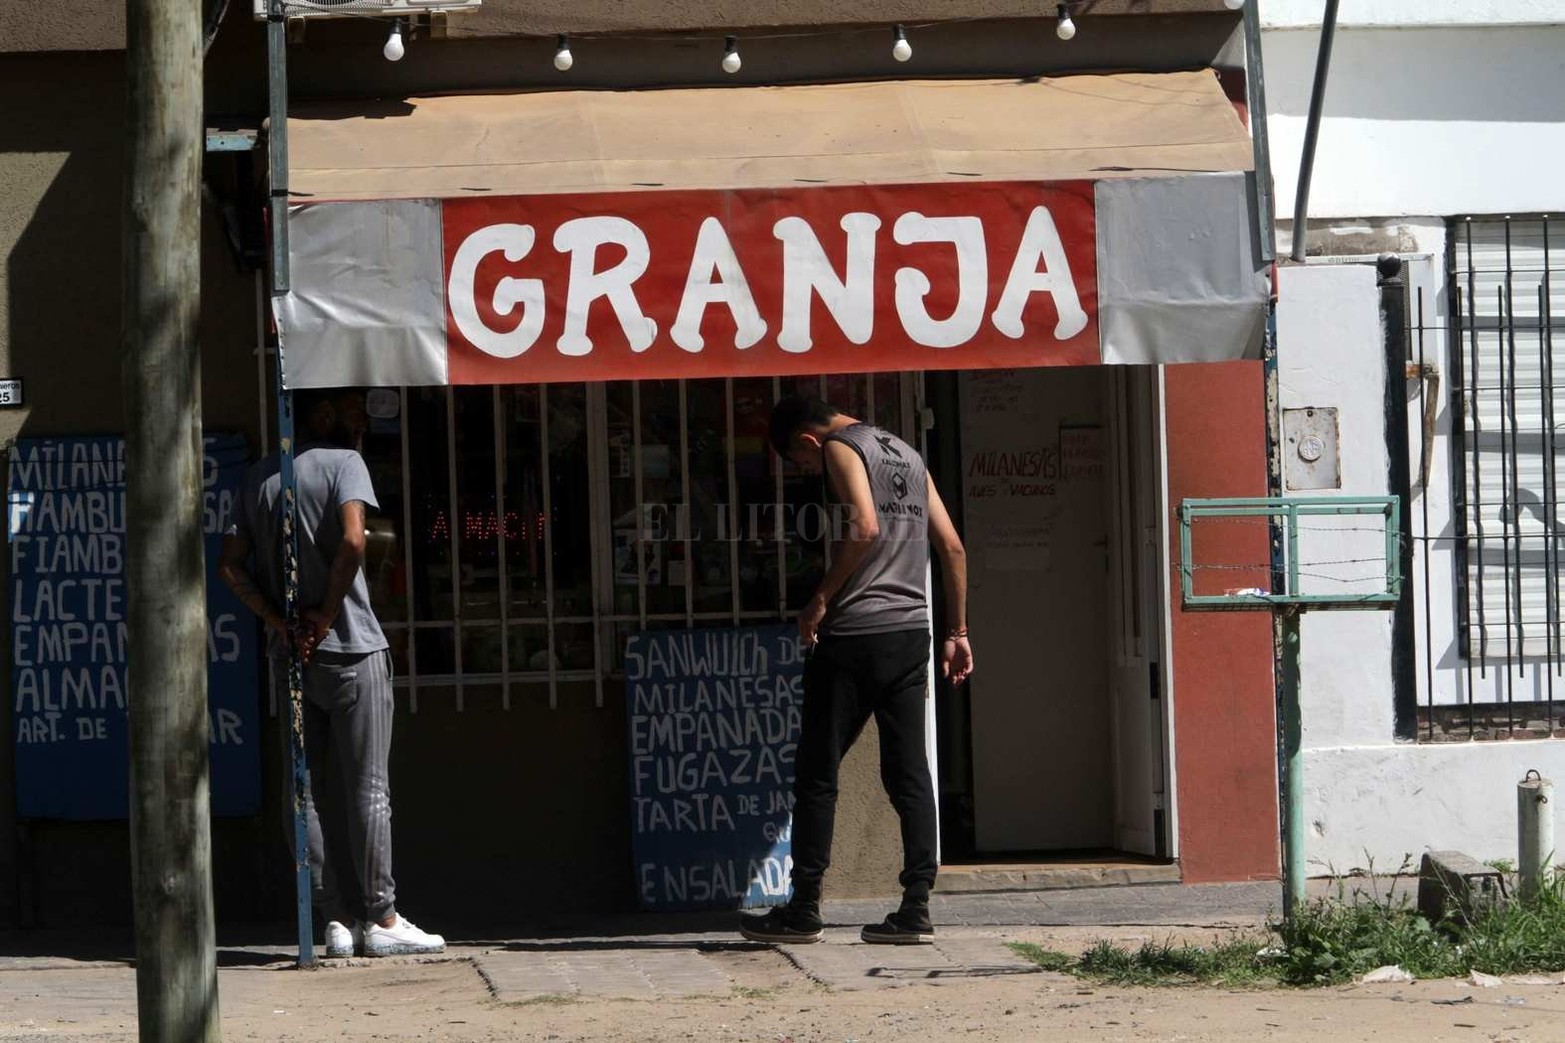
{"x": 900, "y": 132}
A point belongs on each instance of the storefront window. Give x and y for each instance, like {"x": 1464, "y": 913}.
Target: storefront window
{"x": 526, "y": 531}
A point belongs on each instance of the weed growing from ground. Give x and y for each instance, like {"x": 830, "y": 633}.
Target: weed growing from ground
{"x": 1336, "y": 939}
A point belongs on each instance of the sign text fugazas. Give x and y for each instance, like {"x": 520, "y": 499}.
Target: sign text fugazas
{"x": 814, "y": 280}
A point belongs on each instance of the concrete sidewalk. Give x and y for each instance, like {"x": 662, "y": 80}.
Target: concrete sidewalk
{"x": 645, "y": 979}
{"x": 651, "y": 956}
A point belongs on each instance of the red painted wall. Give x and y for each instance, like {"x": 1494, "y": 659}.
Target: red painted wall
{"x": 1224, "y": 702}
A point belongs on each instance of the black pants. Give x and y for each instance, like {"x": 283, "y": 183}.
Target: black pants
{"x": 848, "y": 679}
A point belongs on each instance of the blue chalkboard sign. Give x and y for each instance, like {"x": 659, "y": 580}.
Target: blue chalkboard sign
{"x": 66, "y": 531}
{"x": 714, "y": 723}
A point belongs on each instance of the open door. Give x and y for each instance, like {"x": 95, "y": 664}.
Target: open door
{"x": 1035, "y": 512}
{"x": 1136, "y": 612}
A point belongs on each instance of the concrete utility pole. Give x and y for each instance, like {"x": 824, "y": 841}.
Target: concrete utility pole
{"x": 171, "y": 843}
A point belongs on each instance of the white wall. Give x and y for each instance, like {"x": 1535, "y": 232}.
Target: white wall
{"x": 1442, "y": 121}
{"x": 1368, "y": 798}
{"x": 1295, "y": 14}
{"x": 1330, "y": 357}
{"x": 1379, "y": 804}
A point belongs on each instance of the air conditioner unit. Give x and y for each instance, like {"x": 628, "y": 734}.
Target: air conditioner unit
{"x": 363, "y": 8}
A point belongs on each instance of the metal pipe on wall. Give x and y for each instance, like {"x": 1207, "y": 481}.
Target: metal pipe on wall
{"x": 277, "y": 170}
{"x": 1285, "y": 624}
{"x": 1301, "y": 202}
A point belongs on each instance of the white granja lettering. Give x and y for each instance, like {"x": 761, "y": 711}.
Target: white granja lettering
{"x": 606, "y": 258}
{"x": 516, "y": 242}
{"x": 1040, "y": 242}
{"x": 581, "y": 237}
{"x": 913, "y": 286}
{"x": 806, "y": 272}
{"x": 714, "y": 256}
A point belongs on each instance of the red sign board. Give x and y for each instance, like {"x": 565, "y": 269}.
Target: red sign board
{"x": 649, "y": 285}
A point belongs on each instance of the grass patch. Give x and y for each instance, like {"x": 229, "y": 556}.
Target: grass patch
{"x": 1336, "y": 939}
{"x": 1048, "y": 959}
{"x": 757, "y": 992}
{"x": 548, "y": 999}
{"x": 1231, "y": 963}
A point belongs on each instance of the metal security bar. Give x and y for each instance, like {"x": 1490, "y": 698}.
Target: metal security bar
{"x": 469, "y": 475}
{"x": 1505, "y": 449}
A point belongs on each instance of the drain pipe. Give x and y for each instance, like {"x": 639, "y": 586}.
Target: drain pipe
{"x": 1301, "y": 203}
{"x": 1285, "y": 623}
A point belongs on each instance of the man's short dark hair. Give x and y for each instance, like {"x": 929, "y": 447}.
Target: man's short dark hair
{"x": 794, "y": 413}
{"x": 308, "y": 400}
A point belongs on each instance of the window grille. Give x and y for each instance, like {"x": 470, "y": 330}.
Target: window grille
{"x": 525, "y": 531}
{"x": 1505, "y": 296}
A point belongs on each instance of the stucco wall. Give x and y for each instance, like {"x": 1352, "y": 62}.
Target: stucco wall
{"x": 1306, "y": 14}
{"x": 1441, "y": 121}
{"x": 1331, "y": 357}
{"x": 1370, "y": 800}
{"x": 1224, "y": 738}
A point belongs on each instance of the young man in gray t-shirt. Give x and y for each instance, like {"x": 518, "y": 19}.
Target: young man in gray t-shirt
{"x": 348, "y": 705}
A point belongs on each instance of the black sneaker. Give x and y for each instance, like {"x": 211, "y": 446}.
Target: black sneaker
{"x": 784, "y": 925}
{"x": 903, "y": 927}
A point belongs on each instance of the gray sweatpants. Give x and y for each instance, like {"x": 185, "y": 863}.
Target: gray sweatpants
{"x": 348, "y": 709}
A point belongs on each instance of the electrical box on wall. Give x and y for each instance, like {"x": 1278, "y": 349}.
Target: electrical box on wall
{"x": 1310, "y": 448}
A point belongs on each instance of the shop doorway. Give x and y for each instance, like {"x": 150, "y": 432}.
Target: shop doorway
{"x": 1060, "y": 737}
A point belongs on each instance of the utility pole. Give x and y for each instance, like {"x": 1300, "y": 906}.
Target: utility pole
{"x": 171, "y": 843}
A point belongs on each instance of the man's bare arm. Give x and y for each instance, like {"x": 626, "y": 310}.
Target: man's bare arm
{"x": 956, "y": 659}
{"x": 850, "y": 481}
{"x": 345, "y": 567}
{"x": 953, "y": 560}
{"x": 234, "y": 572}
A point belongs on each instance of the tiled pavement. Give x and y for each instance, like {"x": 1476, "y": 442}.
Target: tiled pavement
{"x": 687, "y": 963}
{"x": 1164, "y": 904}
{"x": 843, "y": 962}
{"x": 520, "y": 973}
{"x": 664, "y": 956}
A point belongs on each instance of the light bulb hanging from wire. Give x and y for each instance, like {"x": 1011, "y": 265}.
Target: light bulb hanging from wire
{"x": 731, "y": 60}
{"x": 1066, "y": 29}
{"x": 394, "y": 48}
{"x": 901, "y": 50}
{"x": 563, "y": 59}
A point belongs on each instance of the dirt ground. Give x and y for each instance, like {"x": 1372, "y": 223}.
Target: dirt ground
{"x": 771, "y": 1002}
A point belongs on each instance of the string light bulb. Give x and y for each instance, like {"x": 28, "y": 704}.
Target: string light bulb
{"x": 394, "y": 49}
{"x": 563, "y": 59}
{"x": 1066, "y": 30}
{"x": 901, "y": 50}
{"x": 731, "y": 60}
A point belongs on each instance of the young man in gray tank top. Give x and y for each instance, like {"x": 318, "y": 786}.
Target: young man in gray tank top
{"x": 868, "y": 627}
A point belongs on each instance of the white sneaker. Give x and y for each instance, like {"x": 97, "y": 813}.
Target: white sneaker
{"x": 402, "y": 938}
{"x": 342, "y": 940}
